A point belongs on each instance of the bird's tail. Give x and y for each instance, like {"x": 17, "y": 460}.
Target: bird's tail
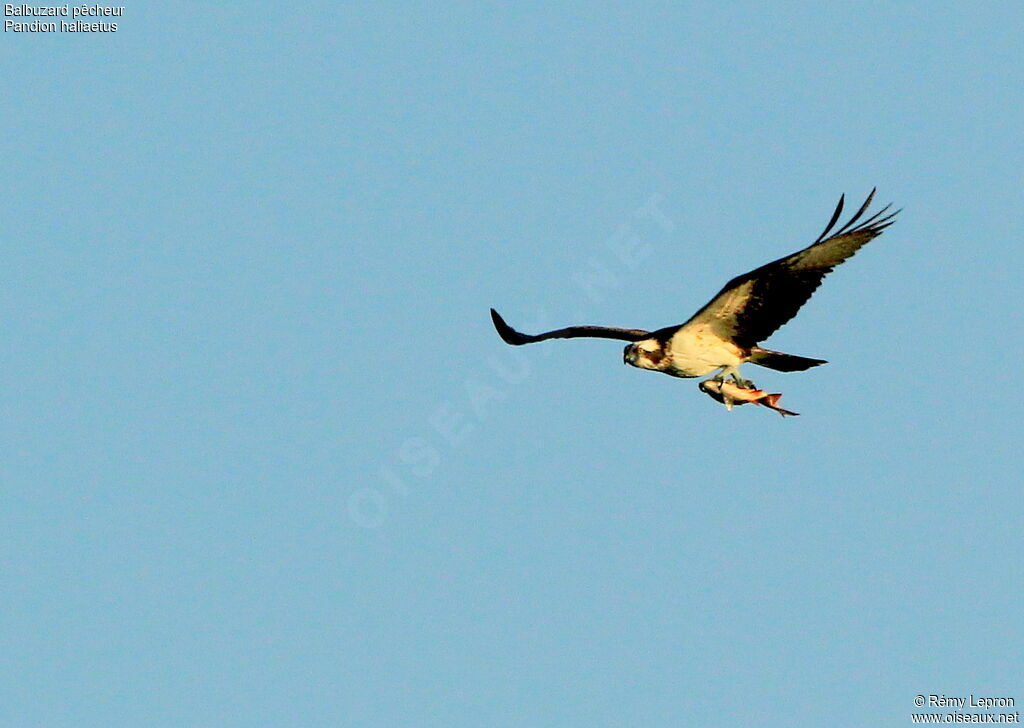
{"x": 782, "y": 362}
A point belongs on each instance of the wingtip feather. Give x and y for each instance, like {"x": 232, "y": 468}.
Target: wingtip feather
{"x": 835, "y": 216}
{"x": 506, "y": 332}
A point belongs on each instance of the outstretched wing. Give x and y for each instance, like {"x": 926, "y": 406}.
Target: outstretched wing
{"x": 516, "y": 338}
{"x": 751, "y": 307}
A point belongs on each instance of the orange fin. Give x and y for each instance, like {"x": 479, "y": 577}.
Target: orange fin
{"x": 771, "y": 401}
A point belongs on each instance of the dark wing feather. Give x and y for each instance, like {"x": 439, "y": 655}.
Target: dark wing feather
{"x": 517, "y": 338}
{"x": 751, "y": 307}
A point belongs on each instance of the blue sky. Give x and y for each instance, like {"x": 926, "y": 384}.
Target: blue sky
{"x": 265, "y": 461}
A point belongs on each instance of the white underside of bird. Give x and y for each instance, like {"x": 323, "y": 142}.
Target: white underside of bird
{"x": 693, "y": 351}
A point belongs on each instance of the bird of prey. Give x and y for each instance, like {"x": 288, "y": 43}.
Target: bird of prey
{"x": 727, "y": 331}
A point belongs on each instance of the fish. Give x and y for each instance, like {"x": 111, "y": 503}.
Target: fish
{"x": 731, "y": 394}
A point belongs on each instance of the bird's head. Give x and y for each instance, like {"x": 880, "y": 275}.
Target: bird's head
{"x": 646, "y": 354}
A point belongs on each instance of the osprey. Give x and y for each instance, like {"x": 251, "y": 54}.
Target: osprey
{"x": 750, "y": 308}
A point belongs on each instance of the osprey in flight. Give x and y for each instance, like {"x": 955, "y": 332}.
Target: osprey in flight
{"x": 749, "y": 309}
